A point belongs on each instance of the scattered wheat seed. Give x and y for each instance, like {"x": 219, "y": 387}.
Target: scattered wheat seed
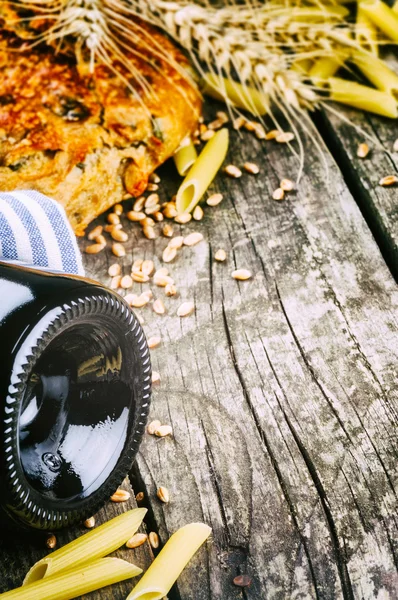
{"x": 238, "y": 122}
{"x": 139, "y": 277}
{"x": 163, "y": 431}
{"x": 139, "y": 204}
{"x": 140, "y": 496}
{"x": 185, "y": 309}
{"x": 241, "y": 274}
{"x": 94, "y": 248}
{"x": 286, "y": 185}
{"x": 176, "y": 243}
{"x": 115, "y": 282}
{"x": 130, "y": 298}
{"x": 137, "y": 264}
{"x": 162, "y": 271}
{"x": 198, "y": 213}
{"x": 158, "y": 307}
{"x": 149, "y": 232}
{"x": 220, "y": 255}
{"x": 285, "y": 137}
{"x": 95, "y": 232}
{"x": 233, "y": 171}
{"x": 250, "y": 125}
{"x": 134, "y": 215}
{"x": 389, "y": 180}
{"x": 362, "y": 150}
{"x": 207, "y": 135}
{"x": 242, "y": 581}
{"x": 183, "y": 218}
{"x": 118, "y": 250}
{"x": 170, "y": 211}
{"x": 154, "y": 342}
{"x": 154, "y": 178}
{"x": 152, "y": 187}
{"x": 163, "y": 494}
{"x": 113, "y": 219}
{"x": 163, "y": 280}
{"x": 118, "y": 209}
{"x": 51, "y": 541}
{"x": 152, "y": 200}
{"x": 155, "y": 377}
{"x": 109, "y": 228}
{"x": 214, "y": 199}
{"x": 251, "y": 168}
{"x": 193, "y": 238}
{"x": 119, "y": 235}
{"x": 395, "y": 146}
{"x": 120, "y": 495}
{"x": 278, "y": 194}
{"x": 114, "y": 269}
{"x": 152, "y": 210}
{"x": 170, "y": 289}
{"x": 140, "y": 301}
{"x": 147, "y": 222}
{"x": 154, "y": 540}
{"x": 148, "y": 267}
{"x": 271, "y": 135}
{"x": 222, "y": 116}
{"x": 153, "y": 425}
{"x": 169, "y": 254}
{"x": 100, "y": 240}
{"x": 148, "y": 294}
{"x": 167, "y": 230}
{"x": 89, "y": 523}
{"x": 260, "y": 133}
{"x": 137, "y": 540}
{"x": 158, "y": 216}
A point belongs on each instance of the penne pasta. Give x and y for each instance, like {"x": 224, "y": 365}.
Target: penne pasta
{"x": 242, "y": 96}
{"x": 382, "y": 16}
{"x": 366, "y": 33}
{"x": 326, "y": 67}
{"x": 377, "y": 72}
{"x": 170, "y": 562}
{"x": 302, "y": 65}
{"x": 92, "y": 545}
{"x": 395, "y": 6}
{"x": 185, "y": 157}
{"x": 363, "y": 97}
{"x": 74, "y": 583}
{"x": 202, "y": 173}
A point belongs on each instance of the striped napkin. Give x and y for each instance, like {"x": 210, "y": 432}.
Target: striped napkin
{"x": 35, "y": 230}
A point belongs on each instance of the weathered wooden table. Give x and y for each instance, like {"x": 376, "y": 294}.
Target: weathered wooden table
{"x": 282, "y": 390}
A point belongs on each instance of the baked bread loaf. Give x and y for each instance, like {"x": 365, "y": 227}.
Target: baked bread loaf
{"x": 86, "y": 139}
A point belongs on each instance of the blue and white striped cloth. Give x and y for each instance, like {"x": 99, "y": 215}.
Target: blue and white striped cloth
{"x": 35, "y": 230}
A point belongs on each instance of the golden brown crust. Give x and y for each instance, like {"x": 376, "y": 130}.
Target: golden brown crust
{"x": 86, "y": 140}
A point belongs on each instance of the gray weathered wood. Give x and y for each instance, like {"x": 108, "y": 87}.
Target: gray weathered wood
{"x": 282, "y": 390}
{"x": 379, "y": 204}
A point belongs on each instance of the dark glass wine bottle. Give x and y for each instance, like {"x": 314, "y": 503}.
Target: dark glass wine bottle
{"x": 75, "y": 383}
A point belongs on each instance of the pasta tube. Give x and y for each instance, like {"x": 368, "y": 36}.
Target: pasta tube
{"x": 395, "y": 6}
{"x": 326, "y": 67}
{"x": 92, "y": 545}
{"x": 202, "y": 173}
{"x": 362, "y": 96}
{"x": 170, "y": 562}
{"x": 185, "y": 157}
{"x": 377, "y": 72}
{"x": 302, "y": 65}
{"x": 242, "y": 96}
{"x": 75, "y": 583}
{"x": 382, "y": 16}
{"x": 366, "y": 33}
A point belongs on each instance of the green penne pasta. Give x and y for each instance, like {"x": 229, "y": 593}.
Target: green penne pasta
{"x": 185, "y": 157}
{"x": 202, "y": 173}
{"x": 92, "y": 545}
{"x": 377, "y": 72}
{"x": 76, "y": 582}
{"x": 170, "y": 562}
{"x": 363, "y": 97}
{"x": 241, "y": 96}
{"x": 382, "y": 16}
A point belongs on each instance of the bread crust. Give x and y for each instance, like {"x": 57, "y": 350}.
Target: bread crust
{"x": 86, "y": 139}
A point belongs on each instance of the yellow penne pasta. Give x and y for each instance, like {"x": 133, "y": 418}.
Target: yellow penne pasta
{"x": 202, "y": 173}
{"x": 327, "y": 66}
{"x": 185, "y": 157}
{"x": 366, "y": 33}
{"x": 168, "y": 565}
{"x": 302, "y": 65}
{"x": 382, "y": 16}
{"x": 92, "y": 545}
{"x": 74, "y": 583}
{"x": 377, "y": 72}
{"x": 395, "y": 6}
{"x": 363, "y": 97}
{"x": 241, "y": 96}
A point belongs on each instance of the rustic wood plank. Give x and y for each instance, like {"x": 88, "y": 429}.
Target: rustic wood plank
{"x": 281, "y": 390}
{"x": 19, "y": 551}
{"x": 378, "y": 204}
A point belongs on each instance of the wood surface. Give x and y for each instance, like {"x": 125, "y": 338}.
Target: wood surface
{"x": 281, "y": 391}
